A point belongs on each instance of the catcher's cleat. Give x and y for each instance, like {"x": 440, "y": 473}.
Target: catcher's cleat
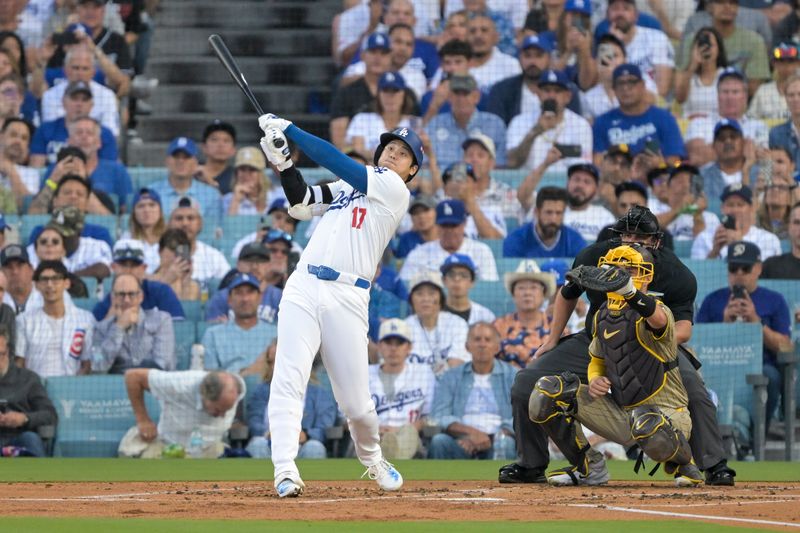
{"x": 514, "y": 473}
{"x": 720, "y": 475}
{"x": 289, "y": 486}
{"x": 569, "y": 476}
{"x": 385, "y": 475}
{"x": 688, "y": 475}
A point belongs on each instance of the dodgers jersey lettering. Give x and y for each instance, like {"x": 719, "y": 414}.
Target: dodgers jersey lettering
{"x": 357, "y": 227}
{"x": 413, "y": 395}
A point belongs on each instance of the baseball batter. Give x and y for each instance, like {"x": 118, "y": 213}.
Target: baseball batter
{"x": 324, "y": 304}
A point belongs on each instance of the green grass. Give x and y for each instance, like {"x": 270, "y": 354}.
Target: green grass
{"x": 19, "y": 470}
{"x": 82, "y": 525}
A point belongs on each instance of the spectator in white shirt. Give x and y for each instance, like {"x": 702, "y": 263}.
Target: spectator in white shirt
{"x": 458, "y": 274}
{"x": 207, "y": 262}
{"x": 582, "y": 214}
{"x": 530, "y": 136}
{"x": 732, "y": 103}
{"x": 15, "y": 138}
{"x": 737, "y": 225}
{"x": 489, "y": 65}
{"x": 615, "y": 168}
{"x": 248, "y": 194}
{"x": 696, "y": 86}
{"x": 686, "y": 216}
{"x": 451, "y": 217}
{"x": 657, "y": 181}
{"x": 769, "y": 102}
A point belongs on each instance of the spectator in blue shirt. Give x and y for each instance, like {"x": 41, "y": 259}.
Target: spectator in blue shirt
{"x": 110, "y": 177}
{"x": 129, "y": 259}
{"x": 52, "y": 135}
{"x": 238, "y": 345}
{"x": 744, "y": 301}
{"x": 182, "y": 166}
{"x": 254, "y": 259}
{"x": 650, "y": 132}
{"x": 454, "y": 56}
{"x": 546, "y": 236}
{"x": 786, "y": 135}
{"x": 383, "y": 303}
{"x": 423, "y": 226}
{"x": 448, "y": 131}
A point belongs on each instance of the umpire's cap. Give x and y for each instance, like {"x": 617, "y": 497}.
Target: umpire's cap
{"x": 411, "y": 140}
{"x": 639, "y": 220}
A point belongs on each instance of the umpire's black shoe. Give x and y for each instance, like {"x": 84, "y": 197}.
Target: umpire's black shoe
{"x": 720, "y": 475}
{"x": 514, "y": 473}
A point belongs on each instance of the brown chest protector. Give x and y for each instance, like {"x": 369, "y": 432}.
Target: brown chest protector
{"x": 634, "y": 372}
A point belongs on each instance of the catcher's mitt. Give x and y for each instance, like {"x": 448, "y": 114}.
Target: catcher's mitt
{"x": 603, "y": 279}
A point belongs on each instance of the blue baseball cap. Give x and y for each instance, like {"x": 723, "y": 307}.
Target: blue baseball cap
{"x": 392, "y": 80}
{"x": 244, "y": 279}
{"x": 279, "y": 204}
{"x": 451, "y": 212}
{"x": 585, "y": 167}
{"x": 583, "y": 7}
{"x": 627, "y": 69}
{"x": 537, "y": 41}
{"x": 554, "y": 77}
{"x": 277, "y": 235}
{"x": 737, "y": 189}
{"x": 728, "y": 123}
{"x": 3, "y": 224}
{"x": 731, "y": 72}
{"x": 182, "y": 144}
{"x": 146, "y": 193}
{"x": 78, "y": 27}
{"x": 406, "y": 135}
{"x": 455, "y": 260}
{"x": 377, "y": 41}
{"x": 557, "y": 267}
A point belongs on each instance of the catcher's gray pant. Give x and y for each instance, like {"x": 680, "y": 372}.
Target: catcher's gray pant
{"x": 572, "y": 354}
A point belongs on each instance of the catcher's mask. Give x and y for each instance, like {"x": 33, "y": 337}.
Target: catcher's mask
{"x": 639, "y": 220}
{"x": 634, "y": 259}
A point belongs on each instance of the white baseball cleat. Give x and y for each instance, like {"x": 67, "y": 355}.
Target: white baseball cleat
{"x": 289, "y": 485}
{"x": 385, "y": 475}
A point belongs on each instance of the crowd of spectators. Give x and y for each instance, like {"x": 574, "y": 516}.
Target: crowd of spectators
{"x": 689, "y": 108}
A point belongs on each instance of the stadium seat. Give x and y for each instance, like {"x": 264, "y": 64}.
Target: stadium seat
{"x": 144, "y": 177}
{"x": 185, "y": 337}
{"x": 493, "y": 295}
{"x": 94, "y": 413}
{"x": 91, "y": 285}
{"x": 28, "y": 223}
{"x": 683, "y": 249}
{"x": 711, "y": 275}
{"x": 107, "y": 221}
{"x": 496, "y": 245}
{"x": 789, "y": 288}
{"x": 85, "y": 303}
{"x": 236, "y": 227}
{"x": 193, "y": 310}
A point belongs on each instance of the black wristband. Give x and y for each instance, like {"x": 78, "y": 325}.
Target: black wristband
{"x": 643, "y": 304}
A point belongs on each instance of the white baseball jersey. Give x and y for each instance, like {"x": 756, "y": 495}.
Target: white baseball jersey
{"x": 71, "y": 345}
{"x": 447, "y": 341}
{"x": 411, "y": 398}
{"x": 357, "y": 227}
{"x": 429, "y": 257}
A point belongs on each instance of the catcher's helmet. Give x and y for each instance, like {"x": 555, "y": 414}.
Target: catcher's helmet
{"x": 634, "y": 258}
{"x": 639, "y": 220}
{"x": 411, "y": 140}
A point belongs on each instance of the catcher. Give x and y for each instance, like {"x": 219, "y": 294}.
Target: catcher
{"x": 634, "y": 354}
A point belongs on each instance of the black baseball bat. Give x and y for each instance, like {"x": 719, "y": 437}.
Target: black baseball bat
{"x": 226, "y": 58}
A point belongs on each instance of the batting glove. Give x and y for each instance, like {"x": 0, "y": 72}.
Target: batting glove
{"x": 277, "y": 155}
{"x": 269, "y": 120}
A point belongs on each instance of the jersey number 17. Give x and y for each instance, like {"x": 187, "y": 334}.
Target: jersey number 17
{"x": 359, "y": 214}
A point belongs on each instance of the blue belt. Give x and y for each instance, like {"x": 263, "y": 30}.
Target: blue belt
{"x": 328, "y": 274}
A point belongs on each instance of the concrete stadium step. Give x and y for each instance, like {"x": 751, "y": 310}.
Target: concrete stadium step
{"x": 257, "y": 70}
{"x": 274, "y": 42}
{"x": 228, "y": 99}
{"x": 255, "y": 14}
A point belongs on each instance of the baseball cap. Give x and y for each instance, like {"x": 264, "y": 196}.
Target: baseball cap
{"x": 537, "y": 41}
{"x": 219, "y": 125}
{"x": 278, "y": 204}
{"x": 656, "y": 173}
{"x": 737, "y": 189}
{"x": 455, "y": 260}
{"x": 394, "y": 327}
{"x": 431, "y": 278}
{"x": 482, "y": 139}
{"x": 277, "y": 235}
{"x": 3, "y": 224}
{"x": 553, "y": 77}
{"x": 250, "y": 156}
{"x": 187, "y": 201}
{"x": 583, "y": 7}
{"x": 786, "y": 52}
{"x": 243, "y": 279}
{"x": 128, "y": 250}
{"x": 66, "y": 220}
{"x": 462, "y": 83}
{"x": 684, "y": 166}
{"x": 377, "y": 41}
{"x": 743, "y": 253}
{"x": 182, "y": 144}
{"x": 254, "y": 251}
{"x": 391, "y": 80}
{"x": 556, "y": 267}
{"x": 620, "y": 149}
{"x": 634, "y": 186}
{"x": 529, "y": 269}
{"x": 585, "y": 167}
{"x": 147, "y": 193}
{"x": 422, "y": 200}
{"x": 68, "y": 151}
{"x": 13, "y": 252}
{"x": 728, "y": 123}
{"x": 731, "y": 72}
{"x": 459, "y": 172}
{"x": 75, "y": 87}
{"x": 451, "y": 212}
{"x": 627, "y": 69}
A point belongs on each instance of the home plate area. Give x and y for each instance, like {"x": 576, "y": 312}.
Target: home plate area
{"x": 765, "y": 505}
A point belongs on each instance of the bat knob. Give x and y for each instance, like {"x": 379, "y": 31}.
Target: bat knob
{"x": 278, "y": 143}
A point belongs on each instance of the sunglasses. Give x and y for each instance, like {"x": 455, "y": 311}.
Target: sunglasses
{"x": 733, "y": 269}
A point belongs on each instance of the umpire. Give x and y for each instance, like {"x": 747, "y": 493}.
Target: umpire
{"x": 679, "y": 287}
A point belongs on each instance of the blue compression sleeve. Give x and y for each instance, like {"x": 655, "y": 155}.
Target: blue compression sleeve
{"x": 327, "y": 155}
